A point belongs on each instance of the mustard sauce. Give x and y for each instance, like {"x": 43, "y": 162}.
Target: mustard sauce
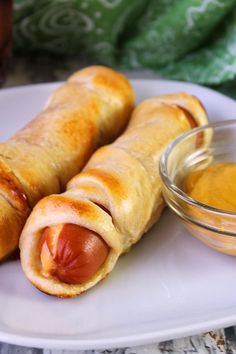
{"x": 214, "y": 186}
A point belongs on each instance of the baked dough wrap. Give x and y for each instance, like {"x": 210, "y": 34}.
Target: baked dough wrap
{"x": 92, "y": 108}
{"x": 121, "y": 178}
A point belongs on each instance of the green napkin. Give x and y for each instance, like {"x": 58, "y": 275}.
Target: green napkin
{"x": 190, "y": 40}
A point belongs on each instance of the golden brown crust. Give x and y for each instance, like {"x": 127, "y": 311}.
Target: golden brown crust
{"x": 12, "y": 223}
{"x": 14, "y": 210}
{"x": 107, "y": 179}
{"x": 190, "y": 103}
{"x": 124, "y": 179}
{"x": 11, "y": 189}
{"x": 90, "y": 109}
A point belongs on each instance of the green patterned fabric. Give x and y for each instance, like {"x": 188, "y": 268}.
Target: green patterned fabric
{"x": 191, "y": 40}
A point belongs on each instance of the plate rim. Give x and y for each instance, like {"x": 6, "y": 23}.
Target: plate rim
{"x": 119, "y": 342}
{"x": 161, "y": 80}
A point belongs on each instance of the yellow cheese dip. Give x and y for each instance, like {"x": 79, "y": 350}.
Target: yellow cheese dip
{"x": 214, "y": 186}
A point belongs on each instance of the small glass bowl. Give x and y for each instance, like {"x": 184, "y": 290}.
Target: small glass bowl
{"x": 194, "y": 151}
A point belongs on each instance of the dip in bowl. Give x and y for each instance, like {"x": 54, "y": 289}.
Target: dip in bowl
{"x": 198, "y": 173}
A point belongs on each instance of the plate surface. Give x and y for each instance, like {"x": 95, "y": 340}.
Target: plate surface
{"x": 170, "y": 285}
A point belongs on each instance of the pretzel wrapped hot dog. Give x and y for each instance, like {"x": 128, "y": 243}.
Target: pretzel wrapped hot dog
{"x": 90, "y": 109}
{"x": 73, "y": 240}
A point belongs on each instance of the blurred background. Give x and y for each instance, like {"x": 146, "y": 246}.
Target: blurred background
{"x": 189, "y": 40}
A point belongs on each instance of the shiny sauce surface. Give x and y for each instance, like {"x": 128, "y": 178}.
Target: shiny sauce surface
{"x": 214, "y": 186}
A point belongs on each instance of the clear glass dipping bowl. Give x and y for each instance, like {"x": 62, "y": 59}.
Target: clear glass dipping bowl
{"x": 193, "y": 151}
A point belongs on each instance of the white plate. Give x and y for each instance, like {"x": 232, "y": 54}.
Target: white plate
{"x": 170, "y": 285}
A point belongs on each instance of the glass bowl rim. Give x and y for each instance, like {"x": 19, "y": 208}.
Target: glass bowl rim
{"x": 173, "y": 187}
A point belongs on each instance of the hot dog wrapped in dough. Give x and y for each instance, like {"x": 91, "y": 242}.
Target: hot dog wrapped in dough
{"x": 90, "y": 109}
{"x": 73, "y": 240}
